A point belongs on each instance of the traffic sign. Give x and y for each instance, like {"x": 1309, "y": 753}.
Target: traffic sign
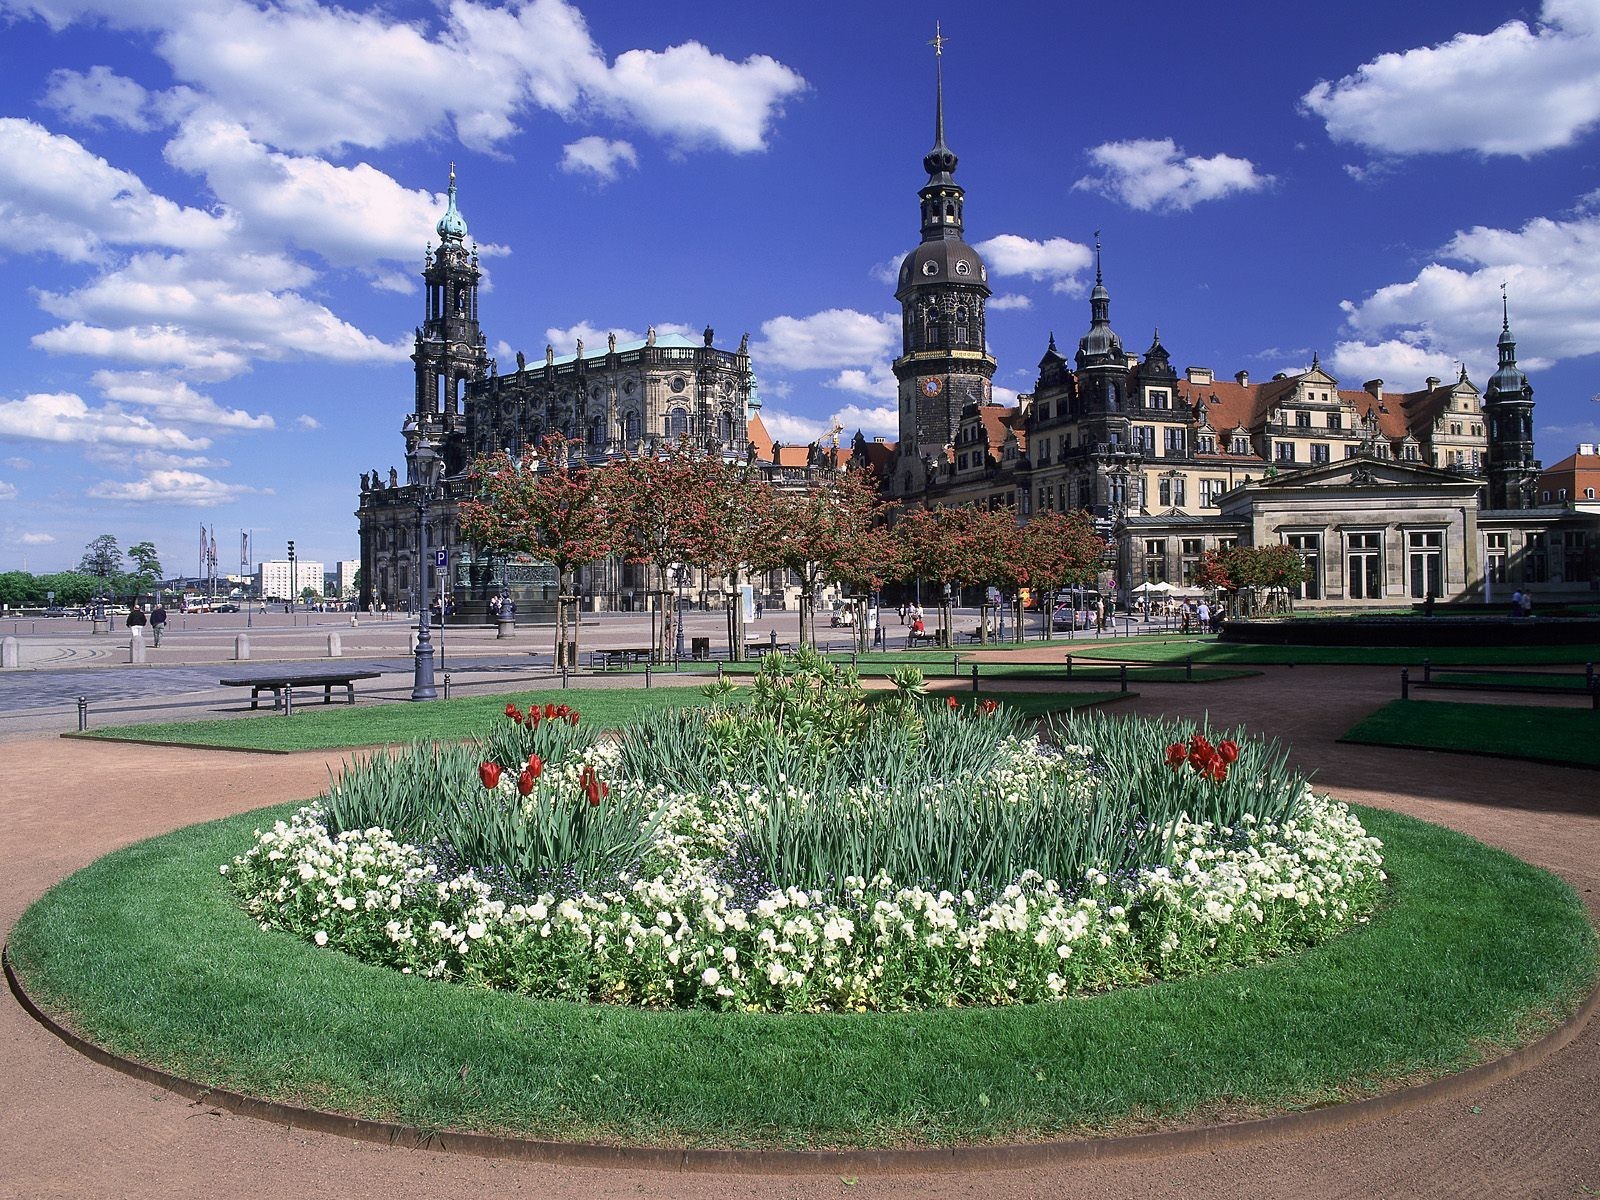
{"x": 441, "y": 559}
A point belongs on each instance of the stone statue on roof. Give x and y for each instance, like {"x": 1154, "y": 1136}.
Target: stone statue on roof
{"x": 710, "y": 333}
{"x": 522, "y": 362}
{"x": 394, "y": 478}
{"x": 549, "y": 354}
{"x": 744, "y": 344}
{"x": 650, "y": 336}
{"x": 366, "y": 482}
{"x": 611, "y": 343}
{"x": 580, "y": 347}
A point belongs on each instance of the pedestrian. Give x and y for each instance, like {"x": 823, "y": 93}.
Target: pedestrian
{"x": 1527, "y": 602}
{"x": 136, "y": 619}
{"x": 158, "y": 620}
{"x": 1204, "y": 616}
{"x": 1100, "y": 615}
{"x": 760, "y": 608}
{"x": 1516, "y": 603}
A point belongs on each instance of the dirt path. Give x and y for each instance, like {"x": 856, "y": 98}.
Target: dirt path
{"x": 71, "y": 1129}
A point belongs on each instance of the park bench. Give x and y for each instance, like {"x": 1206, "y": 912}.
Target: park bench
{"x": 328, "y": 678}
{"x": 620, "y": 656}
{"x": 929, "y": 637}
{"x": 1538, "y": 683}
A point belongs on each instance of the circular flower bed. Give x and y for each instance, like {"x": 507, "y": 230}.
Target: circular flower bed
{"x": 807, "y": 851}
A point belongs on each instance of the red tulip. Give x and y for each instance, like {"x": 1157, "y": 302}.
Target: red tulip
{"x": 1176, "y": 754}
{"x": 489, "y": 774}
{"x": 1229, "y": 750}
{"x": 514, "y": 713}
{"x": 550, "y": 712}
{"x": 573, "y": 717}
{"x": 533, "y": 718}
{"x": 952, "y": 701}
{"x": 990, "y": 707}
{"x": 535, "y": 765}
{"x": 525, "y": 782}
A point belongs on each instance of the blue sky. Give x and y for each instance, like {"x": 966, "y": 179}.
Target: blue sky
{"x": 213, "y": 212}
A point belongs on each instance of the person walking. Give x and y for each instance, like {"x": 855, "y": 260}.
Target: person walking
{"x": 136, "y": 619}
{"x": 1527, "y": 602}
{"x": 1516, "y": 603}
{"x": 158, "y": 620}
{"x": 1204, "y": 617}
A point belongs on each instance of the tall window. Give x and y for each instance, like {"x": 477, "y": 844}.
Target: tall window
{"x": 1302, "y": 420}
{"x": 1284, "y": 452}
{"x": 1364, "y": 569}
{"x": 1335, "y": 420}
{"x": 1535, "y": 558}
{"x": 1208, "y": 443}
{"x": 1155, "y": 560}
{"x": 1319, "y": 452}
{"x": 1191, "y": 549}
{"x": 1239, "y": 445}
{"x": 1426, "y": 550}
{"x": 1496, "y": 550}
{"x": 1176, "y": 442}
{"x": 1144, "y": 437}
{"x": 1575, "y": 547}
{"x": 677, "y": 423}
{"x": 1310, "y": 547}
{"x": 1160, "y": 399}
{"x": 1210, "y": 491}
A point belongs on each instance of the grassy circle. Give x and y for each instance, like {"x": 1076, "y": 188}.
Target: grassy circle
{"x": 146, "y": 953}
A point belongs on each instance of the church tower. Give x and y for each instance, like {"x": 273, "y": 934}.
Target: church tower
{"x": 943, "y": 288}
{"x": 1508, "y": 409}
{"x": 450, "y": 349}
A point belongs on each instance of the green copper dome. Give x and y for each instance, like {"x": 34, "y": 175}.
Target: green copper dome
{"x": 452, "y": 226}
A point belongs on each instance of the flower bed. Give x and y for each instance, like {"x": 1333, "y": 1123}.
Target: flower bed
{"x": 808, "y": 852}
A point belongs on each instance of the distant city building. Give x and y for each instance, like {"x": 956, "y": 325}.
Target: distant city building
{"x": 275, "y": 581}
{"x": 345, "y": 577}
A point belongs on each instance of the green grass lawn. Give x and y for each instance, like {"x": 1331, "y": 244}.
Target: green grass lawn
{"x": 333, "y": 727}
{"x": 1566, "y": 680}
{"x": 146, "y": 953}
{"x": 1218, "y": 653}
{"x": 941, "y": 665}
{"x": 1567, "y": 736}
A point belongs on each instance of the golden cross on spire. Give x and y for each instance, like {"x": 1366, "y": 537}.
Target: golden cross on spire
{"x": 452, "y": 170}
{"x": 938, "y": 41}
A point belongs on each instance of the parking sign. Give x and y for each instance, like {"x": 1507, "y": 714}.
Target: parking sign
{"x": 441, "y": 559}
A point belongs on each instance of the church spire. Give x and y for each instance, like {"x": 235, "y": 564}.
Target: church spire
{"x": 940, "y": 162}
{"x": 452, "y": 226}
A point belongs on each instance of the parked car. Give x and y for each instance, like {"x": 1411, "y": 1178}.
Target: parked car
{"x": 1067, "y": 617}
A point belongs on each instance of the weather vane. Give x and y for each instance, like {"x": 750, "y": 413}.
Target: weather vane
{"x": 938, "y": 41}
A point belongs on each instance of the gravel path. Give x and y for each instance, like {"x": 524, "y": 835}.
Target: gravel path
{"x": 72, "y": 1129}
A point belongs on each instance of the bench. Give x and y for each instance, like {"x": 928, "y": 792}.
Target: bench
{"x": 623, "y": 656}
{"x": 930, "y": 637}
{"x": 329, "y": 679}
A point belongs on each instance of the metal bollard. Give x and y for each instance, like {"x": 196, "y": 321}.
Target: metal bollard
{"x": 83, "y": 713}
{"x": 1188, "y": 669}
{"x": 288, "y": 699}
{"x": 852, "y": 660}
{"x": 719, "y": 673}
{"x": 1069, "y": 666}
{"x": 447, "y": 685}
{"x": 772, "y": 640}
{"x": 647, "y": 672}
{"x": 564, "y": 670}
{"x": 955, "y": 664}
{"x": 1427, "y": 671}
{"x": 1588, "y": 676}
{"x": 974, "y": 678}
{"x": 1405, "y": 683}
{"x": 1122, "y": 675}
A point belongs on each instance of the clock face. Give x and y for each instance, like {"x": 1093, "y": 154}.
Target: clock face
{"x": 932, "y": 387}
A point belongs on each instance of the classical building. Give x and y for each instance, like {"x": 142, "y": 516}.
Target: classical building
{"x": 1390, "y": 495}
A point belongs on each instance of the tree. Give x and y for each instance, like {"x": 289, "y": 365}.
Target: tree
{"x": 939, "y": 547}
{"x": 147, "y": 566}
{"x": 817, "y": 528}
{"x": 1062, "y": 550}
{"x": 735, "y": 531}
{"x": 549, "y": 504}
{"x": 102, "y": 557}
{"x": 864, "y": 566}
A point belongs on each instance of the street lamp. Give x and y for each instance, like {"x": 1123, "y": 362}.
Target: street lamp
{"x": 680, "y": 570}
{"x": 426, "y": 466}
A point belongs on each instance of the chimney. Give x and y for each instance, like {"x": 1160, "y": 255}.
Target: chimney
{"x": 1374, "y": 386}
{"x": 1243, "y": 378}
{"x": 1432, "y": 382}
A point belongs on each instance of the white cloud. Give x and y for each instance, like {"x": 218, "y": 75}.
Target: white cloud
{"x": 217, "y": 312}
{"x": 58, "y": 197}
{"x": 268, "y": 67}
{"x": 1154, "y": 174}
{"x": 881, "y": 420}
{"x": 886, "y": 272}
{"x": 599, "y": 157}
{"x": 348, "y": 215}
{"x": 307, "y": 421}
{"x": 147, "y": 460}
{"x": 1002, "y": 395}
{"x": 793, "y": 429}
{"x": 1055, "y": 259}
{"x": 1451, "y": 309}
{"x": 8, "y": 491}
{"x": 186, "y": 488}
{"x": 1516, "y": 90}
{"x": 565, "y": 341}
{"x": 37, "y": 539}
{"x": 64, "y": 417}
{"x": 171, "y": 399}
{"x": 835, "y": 337}
{"x": 98, "y": 95}
{"x": 876, "y": 382}
{"x": 18, "y": 463}
{"x": 1016, "y": 300}
{"x": 1402, "y": 365}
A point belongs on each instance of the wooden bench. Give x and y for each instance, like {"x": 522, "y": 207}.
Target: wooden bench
{"x": 622, "y": 656}
{"x": 929, "y": 637}
{"x": 329, "y": 679}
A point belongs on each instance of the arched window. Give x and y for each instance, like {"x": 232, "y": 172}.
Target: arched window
{"x": 630, "y": 427}
{"x": 597, "y": 432}
{"x": 677, "y": 423}
{"x": 725, "y": 426}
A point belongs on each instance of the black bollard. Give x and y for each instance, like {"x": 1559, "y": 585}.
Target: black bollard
{"x": 1405, "y": 683}
{"x": 955, "y": 664}
{"x": 1069, "y": 666}
{"x": 1122, "y": 675}
{"x": 772, "y": 640}
{"x": 83, "y": 713}
{"x": 564, "y": 673}
{"x": 974, "y": 679}
{"x": 288, "y": 699}
{"x": 719, "y": 673}
{"x": 1588, "y": 676}
{"x": 1427, "y": 671}
{"x": 447, "y": 685}
{"x": 647, "y": 672}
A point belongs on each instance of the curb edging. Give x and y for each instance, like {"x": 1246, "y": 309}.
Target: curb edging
{"x": 802, "y": 1162}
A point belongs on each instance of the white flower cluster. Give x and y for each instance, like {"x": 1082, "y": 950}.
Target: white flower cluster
{"x": 683, "y": 936}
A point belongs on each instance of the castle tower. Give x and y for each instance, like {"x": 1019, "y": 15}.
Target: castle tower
{"x": 943, "y": 289}
{"x": 450, "y": 348}
{"x": 1508, "y": 409}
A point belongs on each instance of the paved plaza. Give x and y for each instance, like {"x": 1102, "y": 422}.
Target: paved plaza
{"x": 76, "y": 1129}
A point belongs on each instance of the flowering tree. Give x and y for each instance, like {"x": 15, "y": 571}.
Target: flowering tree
{"x": 735, "y": 531}
{"x": 1062, "y": 550}
{"x": 939, "y": 546}
{"x": 863, "y": 567}
{"x": 1243, "y": 569}
{"x": 549, "y": 504}
{"x": 815, "y": 530}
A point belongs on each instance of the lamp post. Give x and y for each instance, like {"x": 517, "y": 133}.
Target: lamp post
{"x": 425, "y": 467}
{"x": 680, "y": 570}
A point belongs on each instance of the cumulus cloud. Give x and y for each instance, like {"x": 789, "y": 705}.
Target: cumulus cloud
{"x": 835, "y": 337}
{"x": 876, "y": 382}
{"x": 793, "y": 429}
{"x": 307, "y": 421}
{"x": 1450, "y": 310}
{"x": 152, "y": 345}
{"x": 98, "y": 96}
{"x": 1453, "y": 96}
{"x": 267, "y": 67}
{"x": 1057, "y": 259}
{"x": 170, "y": 399}
{"x": 37, "y": 539}
{"x": 1154, "y": 174}
{"x": 186, "y": 488}
{"x": 58, "y": 197}
{"x": 1016, "y": 300}
{"x": 598, "y": 156}
{"x": 64, "y": 417}
{"x": 565, "y": 341}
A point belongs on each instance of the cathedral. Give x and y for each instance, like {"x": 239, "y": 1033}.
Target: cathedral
{"x": 1390, "y": 496}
